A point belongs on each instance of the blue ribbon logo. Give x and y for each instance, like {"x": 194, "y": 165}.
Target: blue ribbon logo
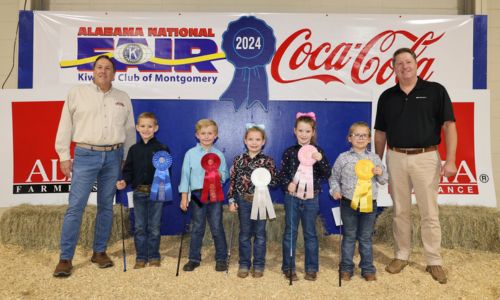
{"x": 249, "y": 44}
{"x": 161, "y": 189}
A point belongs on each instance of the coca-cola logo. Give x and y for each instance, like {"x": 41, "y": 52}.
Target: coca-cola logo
{"x": 367, "y": 62}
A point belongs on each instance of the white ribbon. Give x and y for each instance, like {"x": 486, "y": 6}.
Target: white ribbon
{"x": 262, "y": 202}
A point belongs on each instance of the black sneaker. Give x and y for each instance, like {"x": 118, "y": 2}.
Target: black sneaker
{"x": 190, "y": 266}
{"x": 220, "y": 266}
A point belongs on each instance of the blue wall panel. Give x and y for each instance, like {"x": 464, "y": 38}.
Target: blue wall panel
{"x": 177, "y": 118}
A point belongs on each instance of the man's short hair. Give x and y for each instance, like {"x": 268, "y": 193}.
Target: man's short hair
{"x": 106, "y": 58}
{"x": 403, "y": 50}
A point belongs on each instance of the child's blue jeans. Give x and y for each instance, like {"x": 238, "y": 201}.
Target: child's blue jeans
{"x": 305, "y": 211}
{"x": 212, "y": 212}
{"x": 251, "y": 229}
{"x": 147, "y": 236}
{"x": 357, "y": 226}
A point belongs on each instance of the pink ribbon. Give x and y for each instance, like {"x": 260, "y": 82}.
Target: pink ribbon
{"x": 310, "y": 114}
{"x": 304, "y": 176}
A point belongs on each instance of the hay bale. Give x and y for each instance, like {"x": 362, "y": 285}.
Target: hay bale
{"x": 39, "y": 226}
{"x": 467, "y": 227}
{"x": 274, "y": 228}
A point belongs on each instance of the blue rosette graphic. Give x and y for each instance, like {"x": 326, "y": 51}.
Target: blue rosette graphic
{"x": 249, "y": 44}
{"x": 161, "y": 188}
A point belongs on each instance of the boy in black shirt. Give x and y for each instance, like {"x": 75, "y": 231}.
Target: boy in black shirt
{"x": 139, "y": 172}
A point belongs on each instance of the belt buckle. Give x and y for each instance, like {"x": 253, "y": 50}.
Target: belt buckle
{"x": 248, "y": 197}
{"x": 143, "y": 189}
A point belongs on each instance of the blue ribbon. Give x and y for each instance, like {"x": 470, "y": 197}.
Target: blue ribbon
{"x": 249, "y": 44}
{"x": 161, "y": 188}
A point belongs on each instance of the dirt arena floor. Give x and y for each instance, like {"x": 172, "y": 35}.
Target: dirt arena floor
{"x": 27, "y": 274}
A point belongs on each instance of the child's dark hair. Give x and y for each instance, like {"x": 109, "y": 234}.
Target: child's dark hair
{"x": 308, "y": 120}
{"x": 147, "y": 115}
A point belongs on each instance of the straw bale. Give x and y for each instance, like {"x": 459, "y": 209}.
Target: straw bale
{"x": 461, "y": 226}
{"x": 39, "y": 226}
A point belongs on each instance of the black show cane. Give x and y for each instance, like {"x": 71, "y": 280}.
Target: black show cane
{"x": 184, "y": 231}
{"x": 290, "y": 272}
{"x": 340, "y": 241}
{"x": 186, "y": 225}
{"x": 231, "y": 235}
{"x": 123, "y": 240}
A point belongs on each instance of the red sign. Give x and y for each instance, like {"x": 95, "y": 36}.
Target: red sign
{"x": 465, "y": 181}
{"x": 36, "y": 163}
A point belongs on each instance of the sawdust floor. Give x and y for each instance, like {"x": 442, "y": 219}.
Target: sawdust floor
{"x": 27, "y": 274}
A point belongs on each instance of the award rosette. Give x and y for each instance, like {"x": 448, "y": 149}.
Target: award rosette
{"x": 304, "y": 175}
{"x": 363, "y": 196}
{"x": 161, "y": 188}
{"x": 249, "y": 44}
{"x": 262, "y": 202}
{"x": 212, "y": 187}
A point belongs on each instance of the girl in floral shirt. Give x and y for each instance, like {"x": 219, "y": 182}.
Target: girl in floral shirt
{"x": 240, "y": 195}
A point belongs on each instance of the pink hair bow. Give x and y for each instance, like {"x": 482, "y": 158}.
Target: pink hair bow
{"x": 310, "y": 114}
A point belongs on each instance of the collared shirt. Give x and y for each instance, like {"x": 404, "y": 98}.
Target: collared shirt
{"x": 414, "y": 120}
{"x": 193, "y": 173}
{"x": 344, "y": 179}
{"x": 138, "y": 168}
{"x": 290, "y": 163}
{"x": 93, "y": 117}
{"x": 241, "y": 172}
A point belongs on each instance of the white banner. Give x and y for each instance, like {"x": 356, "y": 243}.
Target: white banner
{"x": 281, "y": 56}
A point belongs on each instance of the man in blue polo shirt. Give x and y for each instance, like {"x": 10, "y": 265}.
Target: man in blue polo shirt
{"x": 410, "y": 116}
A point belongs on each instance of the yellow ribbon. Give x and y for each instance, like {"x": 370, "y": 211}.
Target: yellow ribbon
{"x": 156, "y": 60}
{"x": 363, "y": 196}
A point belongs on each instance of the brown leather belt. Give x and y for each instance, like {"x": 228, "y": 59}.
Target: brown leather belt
{"x": 411, "y": 151}
{"x": 143, "y": 189}
{"x": 99, "y": 148}
{"x": 247, "y": 197}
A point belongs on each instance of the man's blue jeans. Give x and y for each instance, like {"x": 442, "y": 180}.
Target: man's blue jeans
{"x": 147, "y": 227}
{"x": 89, "y": 166}
{"x": 357, "y": 226}
{"x": 199, "y": 214}
{"x": 249, "y": 229}
{"x": 305, "y": 211}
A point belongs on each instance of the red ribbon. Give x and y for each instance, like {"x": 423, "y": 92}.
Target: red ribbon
{"x": 212, "y": 187}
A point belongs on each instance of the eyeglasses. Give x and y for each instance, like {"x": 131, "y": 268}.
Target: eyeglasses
{"x": 360, "y": 136}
